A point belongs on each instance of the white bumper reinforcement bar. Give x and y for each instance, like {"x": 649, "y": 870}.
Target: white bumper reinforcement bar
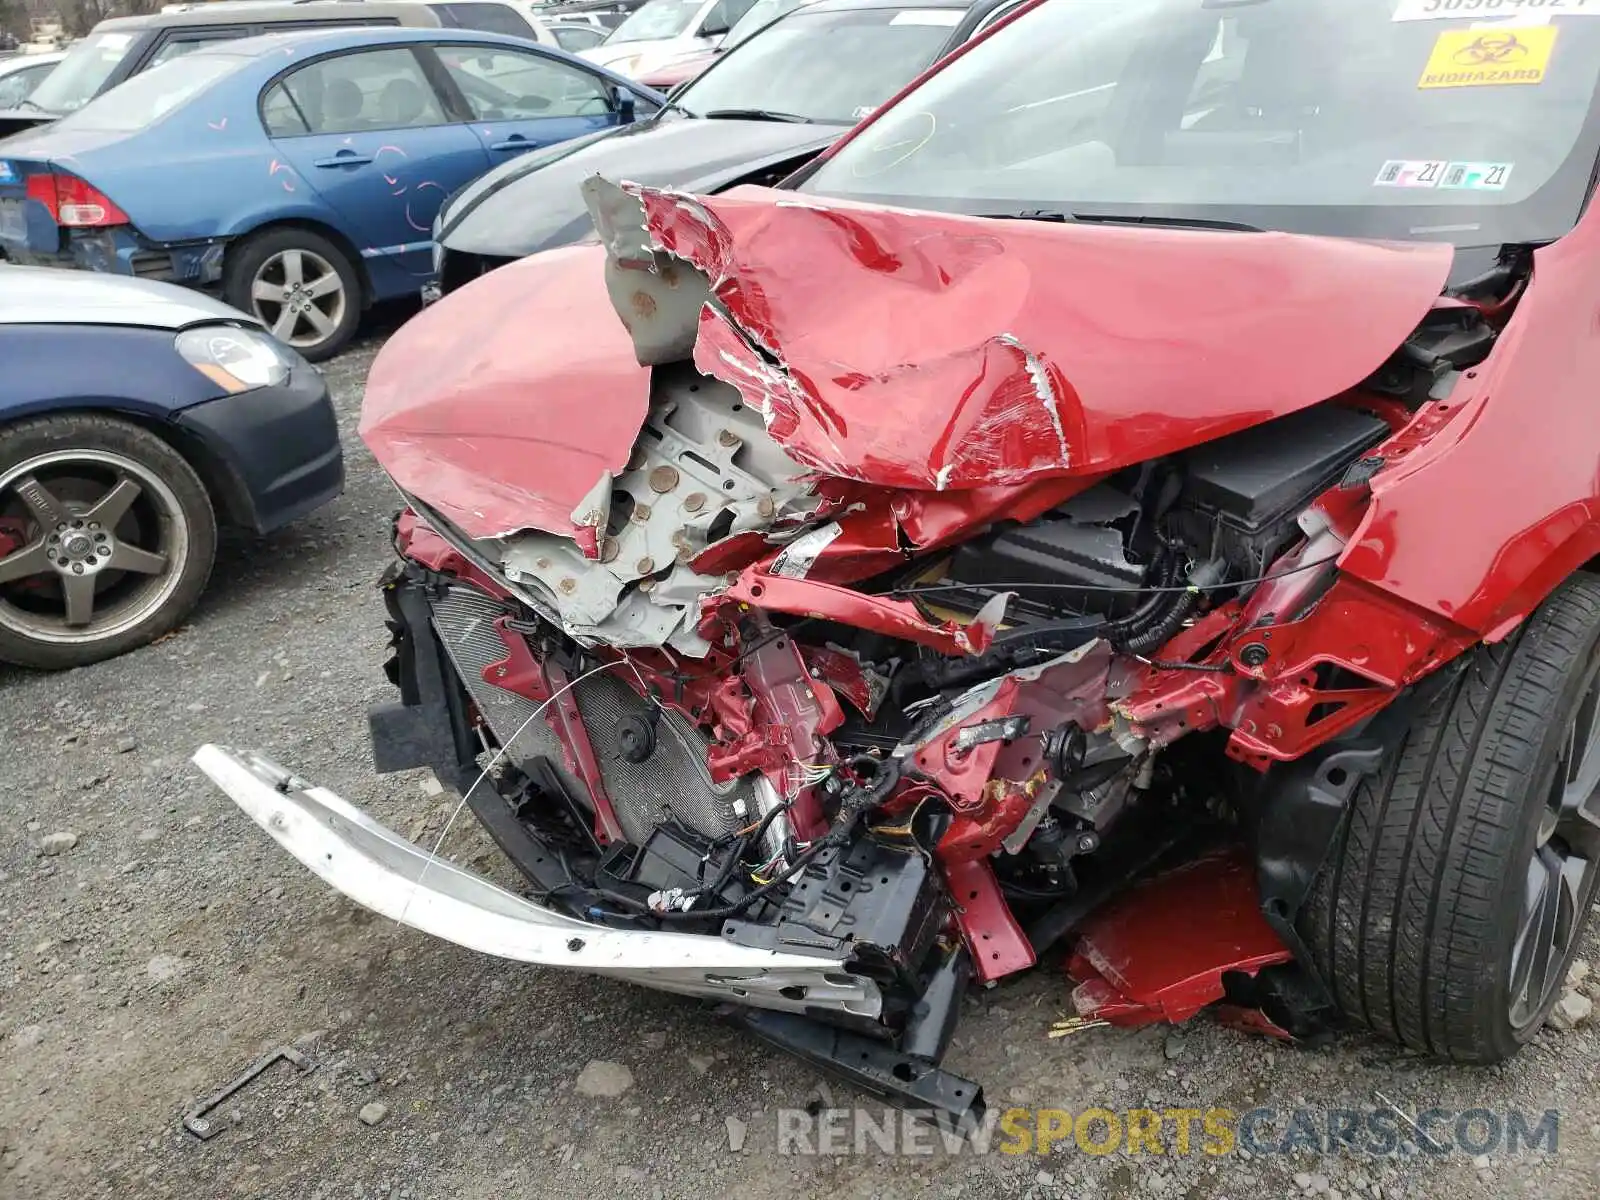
{"x": 382, "y": 871}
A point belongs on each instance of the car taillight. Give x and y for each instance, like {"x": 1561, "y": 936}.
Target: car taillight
{"x": 73, "y": 202}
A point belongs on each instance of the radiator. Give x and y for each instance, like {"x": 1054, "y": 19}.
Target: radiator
{"x": 672, "y": 782}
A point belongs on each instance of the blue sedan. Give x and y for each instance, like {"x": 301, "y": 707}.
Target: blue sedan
{"x": 297, "y": 174}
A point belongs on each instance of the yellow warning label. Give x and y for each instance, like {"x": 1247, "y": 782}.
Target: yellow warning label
{"x": 1489, "y": 57}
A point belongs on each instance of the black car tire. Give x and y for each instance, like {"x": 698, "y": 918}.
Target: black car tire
{"x": 172, "y": 504}
{"x": 1414, "y": 920}
{"x": 257, "y": 254}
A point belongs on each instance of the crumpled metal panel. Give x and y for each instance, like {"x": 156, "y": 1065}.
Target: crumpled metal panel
{"x": 911, "y": 350}
{"x": 931, "y": 351}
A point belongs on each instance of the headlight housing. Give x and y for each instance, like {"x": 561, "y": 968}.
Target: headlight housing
{"x": 234, "y": 358}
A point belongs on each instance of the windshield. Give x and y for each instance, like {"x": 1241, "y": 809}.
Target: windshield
{"x": 152, "y": 94}
{"x": 1371, "y": 118}
{"x": 759, "y": 14}
{"x": 82, "y": 73}
{"x": 655, "y": 21}
{"x": 834, "y": 67}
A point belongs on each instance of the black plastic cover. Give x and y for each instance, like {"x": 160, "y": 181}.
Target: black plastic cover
{"x": 876, "y": 902}
{"x": 1257, "y": 477}
{"x": 1077, "y": 544}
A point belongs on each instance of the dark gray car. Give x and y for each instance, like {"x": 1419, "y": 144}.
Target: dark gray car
{"x": 762, "y": 111}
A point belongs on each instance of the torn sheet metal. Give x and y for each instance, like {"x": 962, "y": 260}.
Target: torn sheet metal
{"x": 932, "y": 351}
{"x": 1160, "y": 951}
{"x": 703, "y": 471}
{"x": 382, "y": 871}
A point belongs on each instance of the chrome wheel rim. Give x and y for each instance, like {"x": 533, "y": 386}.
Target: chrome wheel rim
{"x": 1561, "y": 870}
{"x": 299, "y": 296}
{"x": 92, "y": 543}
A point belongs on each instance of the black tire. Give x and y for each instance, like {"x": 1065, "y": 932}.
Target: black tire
{"x": 246, "y": 261}
{"x": 174, "y": 592}
{"x": 1414, "y": 919}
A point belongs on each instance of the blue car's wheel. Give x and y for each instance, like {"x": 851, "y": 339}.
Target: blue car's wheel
{"x": 106, "y": 539}
{"x": 300, "y": 286}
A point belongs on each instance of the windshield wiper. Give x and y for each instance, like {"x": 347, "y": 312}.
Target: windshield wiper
{"x": 1029, "y": 214}
{"x": 1172, "y": 222}
{"x": 1060, "y": 215}
{"x": 33, "y": 104}
{"x": 755, "y": 114}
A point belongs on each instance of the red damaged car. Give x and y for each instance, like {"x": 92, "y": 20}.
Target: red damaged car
{"x": 1136, "y": 503}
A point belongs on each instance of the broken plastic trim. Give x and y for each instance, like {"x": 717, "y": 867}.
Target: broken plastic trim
{"x": 382, "y": 871}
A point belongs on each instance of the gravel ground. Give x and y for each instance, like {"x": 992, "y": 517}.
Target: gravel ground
{"x": 172, "y": 943}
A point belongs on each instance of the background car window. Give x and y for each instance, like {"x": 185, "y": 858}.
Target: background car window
{"x": 758, "y": 16}
{"x": 151, "y": 95}
{"x": 177, "y": 47}
{"x": 491, "y": 18}
{"x": 657, "y": 19}
{"x": 723, "y": 16}
{"x": 505, "y": 85}
{"x": 83, "y": 72}
{"x": 375, "y": 89}
{"x": 824, "y": 66}
{"x": 15, "y": 86}
{"x": 573, "y": 38}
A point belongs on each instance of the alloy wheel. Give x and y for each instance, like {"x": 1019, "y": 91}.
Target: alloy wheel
{"x": 1561, "y": 871}
{"x": 91, "y": 544}
{"x": 299, "y": 296}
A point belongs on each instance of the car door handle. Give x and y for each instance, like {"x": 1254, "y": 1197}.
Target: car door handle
{"x": 515, "y": 143}
{"x": 345, "y": 158}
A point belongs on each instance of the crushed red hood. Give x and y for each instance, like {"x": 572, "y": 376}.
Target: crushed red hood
{"x": 906, "y": 350}
{"x": 503, "y": 404}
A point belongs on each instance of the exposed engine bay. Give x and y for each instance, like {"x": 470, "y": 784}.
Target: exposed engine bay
{"x": 911, "y": 735}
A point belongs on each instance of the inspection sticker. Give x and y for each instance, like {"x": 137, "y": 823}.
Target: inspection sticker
{"x": 1461, "y": 10}
{"x": 1489, "y": 57}
{"x": 1477, "y": 176}
{"x": 1410, "y": 173}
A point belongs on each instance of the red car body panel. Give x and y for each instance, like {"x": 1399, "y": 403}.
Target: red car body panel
{"x": 503, "y": 408}
{"x": 680, "y": 70}
{"x": 1492, "y": 498}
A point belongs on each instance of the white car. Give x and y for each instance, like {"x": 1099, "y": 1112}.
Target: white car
{"x": 20, "y": 74}
{"x": 664, "y": 30}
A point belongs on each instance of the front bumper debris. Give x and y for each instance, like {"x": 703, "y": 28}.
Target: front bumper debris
{"x": 382, "y": 871}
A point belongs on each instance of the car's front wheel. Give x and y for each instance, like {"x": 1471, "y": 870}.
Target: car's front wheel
{"x": 299, "y": 285}
{"x": 107, "y": 537}
{"x": 1460, "y": 889}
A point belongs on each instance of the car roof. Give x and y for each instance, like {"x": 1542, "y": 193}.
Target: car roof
{"x": 16, "y": 62}
{"x": 263, "y": 44}
{"x": 256, "y": 12}
{"x": 824, "y": 6}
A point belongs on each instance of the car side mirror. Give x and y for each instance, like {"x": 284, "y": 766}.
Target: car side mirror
{"x": 622, "y": 101}
{"x": 713, "y": 31}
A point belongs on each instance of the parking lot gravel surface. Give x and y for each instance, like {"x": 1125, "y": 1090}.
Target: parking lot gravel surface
{"x": 153, "y": 943}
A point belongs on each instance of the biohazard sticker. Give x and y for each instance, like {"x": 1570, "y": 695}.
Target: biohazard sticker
{"x": 1489, "y": 57}
{"x": 1476, "y": 176}
{"x": 1410, "y": 173}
